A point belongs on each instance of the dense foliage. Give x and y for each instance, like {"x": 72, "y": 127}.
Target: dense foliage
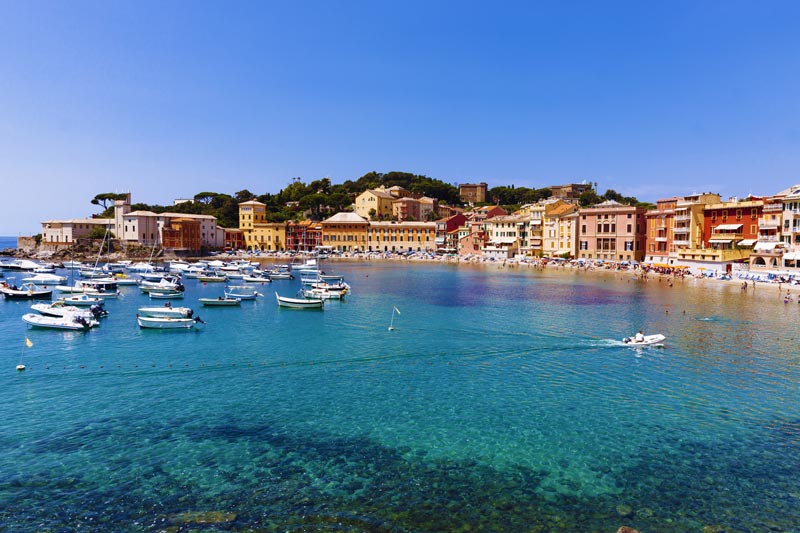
{"x": 320, "y": 198}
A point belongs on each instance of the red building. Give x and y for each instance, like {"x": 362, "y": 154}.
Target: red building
{"x": 726, "y": 224}
{"x": 303, "y": 236}
{"x": 181, "y": 235}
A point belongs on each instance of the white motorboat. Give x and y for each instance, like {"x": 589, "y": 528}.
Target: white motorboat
{"x": 299, "y": 303}
{"x": 71, "y": 322}
{"x": 241, "y": 291}
{"x": 81, "y": 300}
{"x": 647, "y": 340}
{"x": 61, "y": 309}
{"x": 149, "y": 322}
{"x": 45, "y": 279}
{"x": 167, "y": 283}
{"x": 220, "y": 301}
{"x": 166, "y": 311}
{"x": 26, "y": 291}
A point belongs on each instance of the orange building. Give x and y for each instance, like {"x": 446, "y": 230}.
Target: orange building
{"x": 181, "y": 235}
{"x": 611, "y": 231}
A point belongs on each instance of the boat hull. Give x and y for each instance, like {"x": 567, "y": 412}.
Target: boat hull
{"x": 299, "y": 303}
{"x": 166, "y": 322}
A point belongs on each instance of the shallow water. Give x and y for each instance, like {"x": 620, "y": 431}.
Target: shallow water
{"x": 502, "y": 400}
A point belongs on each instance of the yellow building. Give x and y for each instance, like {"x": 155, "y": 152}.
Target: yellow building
{"x": 401, "y": 237}
{"x": 559, "y": 234}
{"x": 346, "y": 232}
{"x": 378, "y": 199}
{"x": 257, "y": 232}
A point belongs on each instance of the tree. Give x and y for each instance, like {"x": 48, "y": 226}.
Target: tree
{"x": 204, "y": 197}
{"x": 244, "y": 196}
{"x": 588, "y": 198}
{"x": 103, "y": 199}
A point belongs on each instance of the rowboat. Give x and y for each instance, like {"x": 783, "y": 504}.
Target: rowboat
{"x": 167, "y": 322}
{"x": 165, "y": 295}
{"x": 299, "y": 303}
{"x": 220, "y": 302}
{"x": 71, "y": 322}
{"x": 166, "y": 311}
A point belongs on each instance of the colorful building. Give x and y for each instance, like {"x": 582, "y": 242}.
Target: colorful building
{"x": 374, "y": 204}
{"x": 401, "y": 237}
{"x": 260, "y": 235}
{"x": 560, "y": 230}
{"x": 473, "y": 193}
{"x": 445, "y": 227}
{"x": 611, "y": 231}
{"x": 345, "y": 232}
{"x": 303, "y": 236}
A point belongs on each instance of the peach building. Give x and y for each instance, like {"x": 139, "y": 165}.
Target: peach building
{"x": 611, "y": 231}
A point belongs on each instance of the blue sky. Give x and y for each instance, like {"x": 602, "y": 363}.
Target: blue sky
{"x": 170, "y": 98}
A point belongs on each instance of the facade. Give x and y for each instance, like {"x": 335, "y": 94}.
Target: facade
{"x": 401, "y": 237}
{"x": 345, "y": 232}
{"x": 660, "y": 231}
{"x": 445, "y": 227}
{"x": 67, "y": 232}
{"x": 181, "y": 235}
{"x": 570, "y": 192}
{"x": 506, "y": 235}
{"x": 380, "y": 200}
{"x": 257, "y": 233}
{"x": 611, "y": 231}
{"x": 303, "y": 236}
{"x": 407, "y": 208}
{"x": 479, "y": 214}
{"x": 560, "y": 230}
{"x": 473, "y": 193}
{"x": 146, "y": 228}
{"x": 469, "y": 240}
{"x": 234, "y": 239}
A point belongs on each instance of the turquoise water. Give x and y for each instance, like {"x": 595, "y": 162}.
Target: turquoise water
{"x": 502, "y": 401}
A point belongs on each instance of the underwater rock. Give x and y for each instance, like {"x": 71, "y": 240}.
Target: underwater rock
{"x": 625, "y": 511}
{"x": 203, "y": 517}
{"x": 714, "y": 529}
{"x": 626, "y": 529}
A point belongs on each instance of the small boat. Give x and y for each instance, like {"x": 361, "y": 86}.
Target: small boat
{"x": 45, "y": 279}
{"x": 648, "y": 340}
{"x": 26, "y": 291}
{"x": 280, "y": 275}
{"x": 165, "y": 283}
{"x": 81, "y": 300}
{"x": 166, "y": 311}
{"x": 299, "y": 303}
{"x": 242, "y": 292}
{"x": 220, "y": 301}
{"x": 212, "y": 278}
{"x": 72, "y": 322}
{"x": 165, "y": 295}
{"x": 257, "y": 278}
{"x": 61, "y": 309}
{"x": 150, "y": 322}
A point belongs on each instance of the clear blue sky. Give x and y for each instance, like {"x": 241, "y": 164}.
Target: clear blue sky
{"x": 170, "y": 98}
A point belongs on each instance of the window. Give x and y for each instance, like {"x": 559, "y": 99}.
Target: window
{"x": 629, "y": 228}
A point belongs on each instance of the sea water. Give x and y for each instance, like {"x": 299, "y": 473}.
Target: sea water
{"x": 7, "y": 242}
{"x": 503, "y": 399}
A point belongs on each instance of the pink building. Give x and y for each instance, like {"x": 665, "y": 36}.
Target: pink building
{"x": 611, "y": 231}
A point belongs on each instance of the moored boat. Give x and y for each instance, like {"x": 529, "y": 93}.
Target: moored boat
{"x": 71, "y": 322}
{"x": 81, "y": 300}
{"x": 220, "y": 302}
{"x": 26, "y": 291}
{"x": 166, "y": 311}
{"x": 61, "y": 309}
{"x": 241, "y": 291}
{"x": 165, "y": 295}
{"x": 167, "y": 322}
{"x": 299, "y": 303}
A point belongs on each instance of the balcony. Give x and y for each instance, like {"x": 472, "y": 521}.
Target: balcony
{"x": 683, "y": 218}
{"x": 772, "y": 208}
{"x": 768, "y": 238}
{"x": 677, "y": 242}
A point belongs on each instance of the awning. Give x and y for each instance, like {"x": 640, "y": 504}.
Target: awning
{"x": 747, "y": 242}
{"x": 726, "y": 227}
{"x": 661, "y": 239}
{"x": 768, "y": 226}
{"x": 765, "y": 245}
{"x": 720, "y": 240}
{"x": 791, "y": 256}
